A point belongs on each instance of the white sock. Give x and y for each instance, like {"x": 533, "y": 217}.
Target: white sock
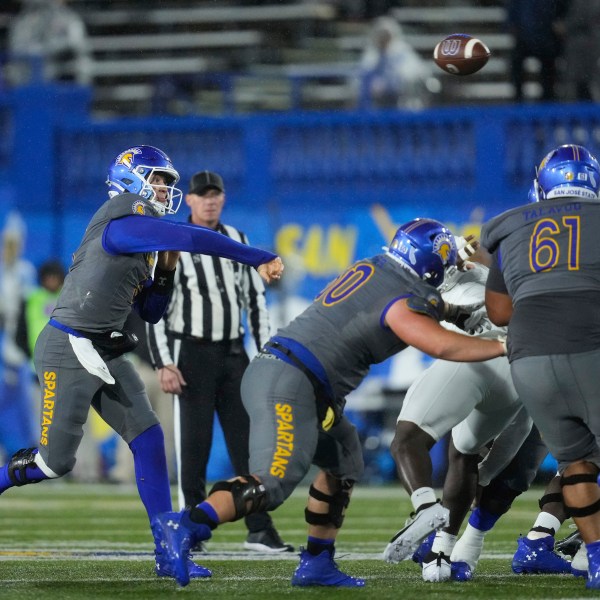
{"x": 546, "y": 520}
{"x": 468, "y": 548}
{"x": 424, "y": 495}
{"x": 580, "y": 560}
{"x": 443, "y": 542}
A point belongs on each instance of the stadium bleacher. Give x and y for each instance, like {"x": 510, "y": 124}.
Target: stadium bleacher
{"x": 227, "y": 56}
{"x": 318, "y": 174}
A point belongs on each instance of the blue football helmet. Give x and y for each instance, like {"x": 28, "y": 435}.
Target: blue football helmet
{"x": 568, "y": 170}
{"x": 132, "y": 170}
{"x": 426, "y": 247}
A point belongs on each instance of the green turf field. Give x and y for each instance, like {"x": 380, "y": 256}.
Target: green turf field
{"x": 66, "y": 540}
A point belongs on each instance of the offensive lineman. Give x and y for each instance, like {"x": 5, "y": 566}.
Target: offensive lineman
{"x": 79, "y": 354}
{"x": 545, "y": 280}
{"x": 295, "y": 389}
{"x": 505, "y": 472}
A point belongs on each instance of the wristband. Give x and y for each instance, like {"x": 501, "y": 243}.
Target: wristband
{"x": 163, "y": 281}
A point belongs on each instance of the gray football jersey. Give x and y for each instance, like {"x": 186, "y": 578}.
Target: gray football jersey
{"x": 547, "y": 247}
{"x": 344, "y": 326}
{"x": 547, "y": 255}
{"x": 100, "y": 288}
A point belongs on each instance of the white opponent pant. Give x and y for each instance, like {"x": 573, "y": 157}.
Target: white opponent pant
{"x": 474, "y": 400}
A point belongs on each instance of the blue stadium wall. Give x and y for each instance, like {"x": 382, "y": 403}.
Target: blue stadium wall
{"x": 320, "y": 189}
{"x": 326, "y": 187}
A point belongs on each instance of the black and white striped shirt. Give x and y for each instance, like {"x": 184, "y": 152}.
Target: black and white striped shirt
{"x": 209, "y": 297}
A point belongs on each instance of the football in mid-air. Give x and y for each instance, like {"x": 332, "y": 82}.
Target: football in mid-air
{"x": 461, "y": 54}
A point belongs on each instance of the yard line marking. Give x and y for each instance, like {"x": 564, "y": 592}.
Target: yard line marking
{"x": 61, "y": 555}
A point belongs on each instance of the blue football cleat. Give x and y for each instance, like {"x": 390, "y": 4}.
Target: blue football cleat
{"x": 460, "y": 571}
{"x": 593, "y": 575}
{"x": 173, "y": 540}
{"x": 424, "y": 549}
{"x": 322, "y": 570}
{"x": 162, "y": 567}
{"x": 538, "y": 556}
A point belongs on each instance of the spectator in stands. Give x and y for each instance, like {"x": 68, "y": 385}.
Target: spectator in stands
{"x": 582, "y": 49}
{"x": 17, "y": 280}
{"x": 536, "y": 26}
{"x": 392, "y": 74}
{"x": 48, "y": 35}
{"x": 37, "y": 307}
{"x": 365, "y": 9}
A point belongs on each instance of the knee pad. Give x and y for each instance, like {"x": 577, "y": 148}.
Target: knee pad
{"x": 248, "y": 498}
{"x": 338, "y": 502}
{"x": 580, "y": 511}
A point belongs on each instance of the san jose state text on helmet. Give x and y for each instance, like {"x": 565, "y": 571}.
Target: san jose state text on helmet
{"x": 568, "y": 170}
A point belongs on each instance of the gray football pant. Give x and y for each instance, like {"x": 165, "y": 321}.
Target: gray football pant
{"x": 68, "y": 391}
{"x": 285, "y": 434}
{"x": 561, "y": 394}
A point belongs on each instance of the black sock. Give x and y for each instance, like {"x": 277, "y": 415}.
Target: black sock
{"x": 204, "y": 514}
{"x": 315, "y": 546}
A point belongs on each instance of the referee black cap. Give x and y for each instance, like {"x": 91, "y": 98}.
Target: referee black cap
{"x": 205, "y": 180}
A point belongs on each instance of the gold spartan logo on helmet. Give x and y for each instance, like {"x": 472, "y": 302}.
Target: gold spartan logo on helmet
{"x": 569, "y": 176}
{"x": 126, "y": 158}
{"x": 442, "y": 246}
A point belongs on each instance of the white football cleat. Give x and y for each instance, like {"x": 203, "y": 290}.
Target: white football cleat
{"x": 579, "y": 564}
{"x": 417, "y": 528}
{"x": 438, "y": 569}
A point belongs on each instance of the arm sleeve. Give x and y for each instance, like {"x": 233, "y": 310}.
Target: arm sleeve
{"x": 151, "y": 303}
{"x": 137, "y": 233}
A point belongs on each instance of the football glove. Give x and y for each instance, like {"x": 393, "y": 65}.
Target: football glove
{"x": 466, "y": 248}
{"x": 458, "y": 313}
{"x": 477, "y": 322}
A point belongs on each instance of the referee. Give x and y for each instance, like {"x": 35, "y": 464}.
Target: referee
{"x": 198, "y": 349}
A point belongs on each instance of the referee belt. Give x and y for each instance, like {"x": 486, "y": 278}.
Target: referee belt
{"x": 236, "y": 344}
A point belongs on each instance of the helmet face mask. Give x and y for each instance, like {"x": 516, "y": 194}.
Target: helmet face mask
{"x": 426, "y": 247}
{"x": 133, "y": 171}
{"x": 534, "y": 192}
{"x": 568, "y": 171}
